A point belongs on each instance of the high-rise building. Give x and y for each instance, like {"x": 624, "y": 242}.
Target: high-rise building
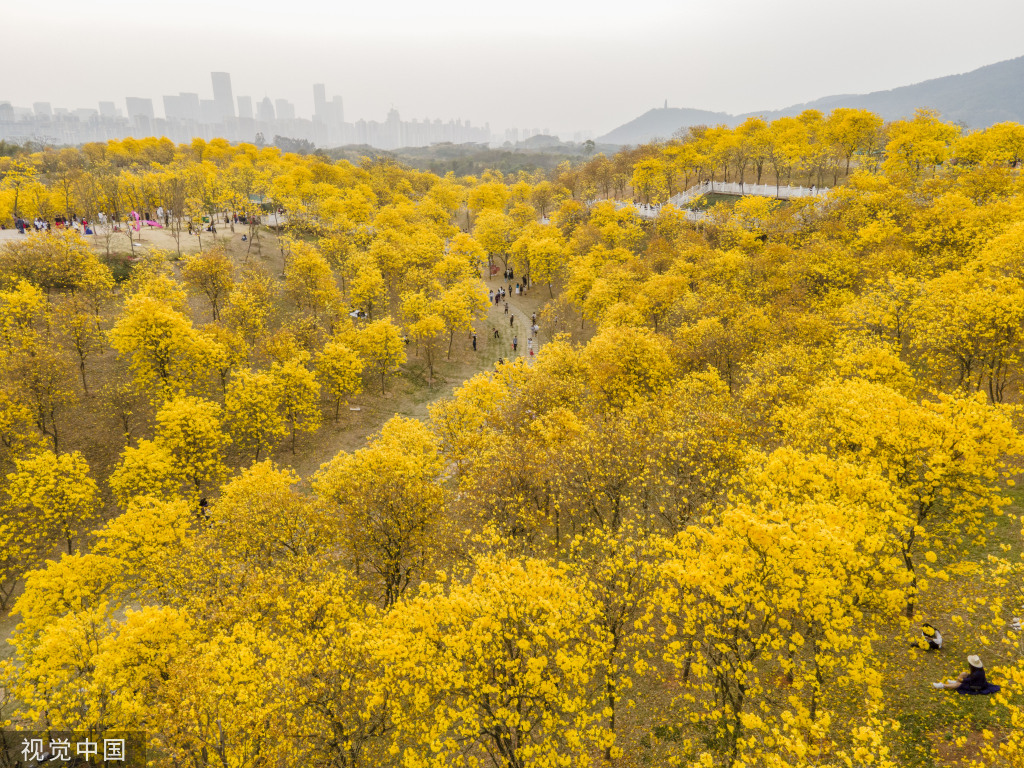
{"x": 172, "y": 108}
{"x": 338, "y": 110}
{"x": 285, "y": 109}
{"x": 222, "y": 95}
{"x": 140, "y": 116}
{"x": 324, "y": 128}
{"x": 209, "y": 111}
{"x": 42, "y": 109}
{"x": 245, "y": 107}
{"x": 265, "y": 110}
{"x": 190, "y": 106}
{"x": 319, "y": 101}
{"x": 107, "y": 109}
{"x": 393, "y": 130}
{"x": 138, "y": 107}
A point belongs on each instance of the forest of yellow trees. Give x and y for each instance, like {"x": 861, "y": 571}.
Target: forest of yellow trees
{"x": 701, "y": 526}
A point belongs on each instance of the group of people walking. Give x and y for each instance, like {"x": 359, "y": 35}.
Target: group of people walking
{"x": 499, "y": 297}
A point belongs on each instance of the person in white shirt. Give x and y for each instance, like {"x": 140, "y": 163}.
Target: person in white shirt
{"x": 932, "y": 637}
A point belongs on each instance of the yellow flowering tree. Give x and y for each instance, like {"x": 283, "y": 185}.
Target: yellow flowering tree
{"x": 54, "y": 497}
{"x": 189, "y": 430}
{"x": 389, "y": 503}
{"x": 501, "y": 666}
{"x": 298, "y": 395}
{"x": 339, "y": 369}
{"x": 253, "y": 406}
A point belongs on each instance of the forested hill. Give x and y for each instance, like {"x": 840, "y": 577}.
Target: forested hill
{"x": 662, "y": 123}
{"x": 983, "y": 97}
{"x": 980, "y": 98}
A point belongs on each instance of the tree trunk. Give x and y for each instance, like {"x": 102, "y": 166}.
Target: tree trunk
{"x": 909, "y": 563}
{"x": 53, "y": 434}
{"x": 610, "y": 694}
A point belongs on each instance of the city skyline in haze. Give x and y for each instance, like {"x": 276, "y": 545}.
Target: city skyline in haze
{"x": 568, "y": 65}
{"x": 186, "y": 115}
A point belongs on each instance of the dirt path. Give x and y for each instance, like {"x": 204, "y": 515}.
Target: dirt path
{"x": 521, "y": 309}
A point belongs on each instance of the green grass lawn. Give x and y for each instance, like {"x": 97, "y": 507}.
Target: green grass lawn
{"x": 713, "y": 199}
{"x": 708, "y": 201}
{"x": 943, "y": 728}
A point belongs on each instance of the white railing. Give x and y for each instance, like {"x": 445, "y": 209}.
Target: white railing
{"x": 683, "y": 199}
{"x": 653, "y": 211}
{"x": 787, "y": 192}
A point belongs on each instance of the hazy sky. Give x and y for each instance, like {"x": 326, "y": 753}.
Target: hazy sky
{"x": 532, "y": 63}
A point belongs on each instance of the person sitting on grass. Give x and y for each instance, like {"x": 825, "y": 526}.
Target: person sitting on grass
{"x": 972, "y": 682}
{"x": 932, "y": 637}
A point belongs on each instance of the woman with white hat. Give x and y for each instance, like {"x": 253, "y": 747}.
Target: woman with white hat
{"x": 973, "y": 681}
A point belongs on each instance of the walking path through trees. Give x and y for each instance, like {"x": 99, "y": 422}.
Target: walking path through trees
{"x": 522, "y": 309}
